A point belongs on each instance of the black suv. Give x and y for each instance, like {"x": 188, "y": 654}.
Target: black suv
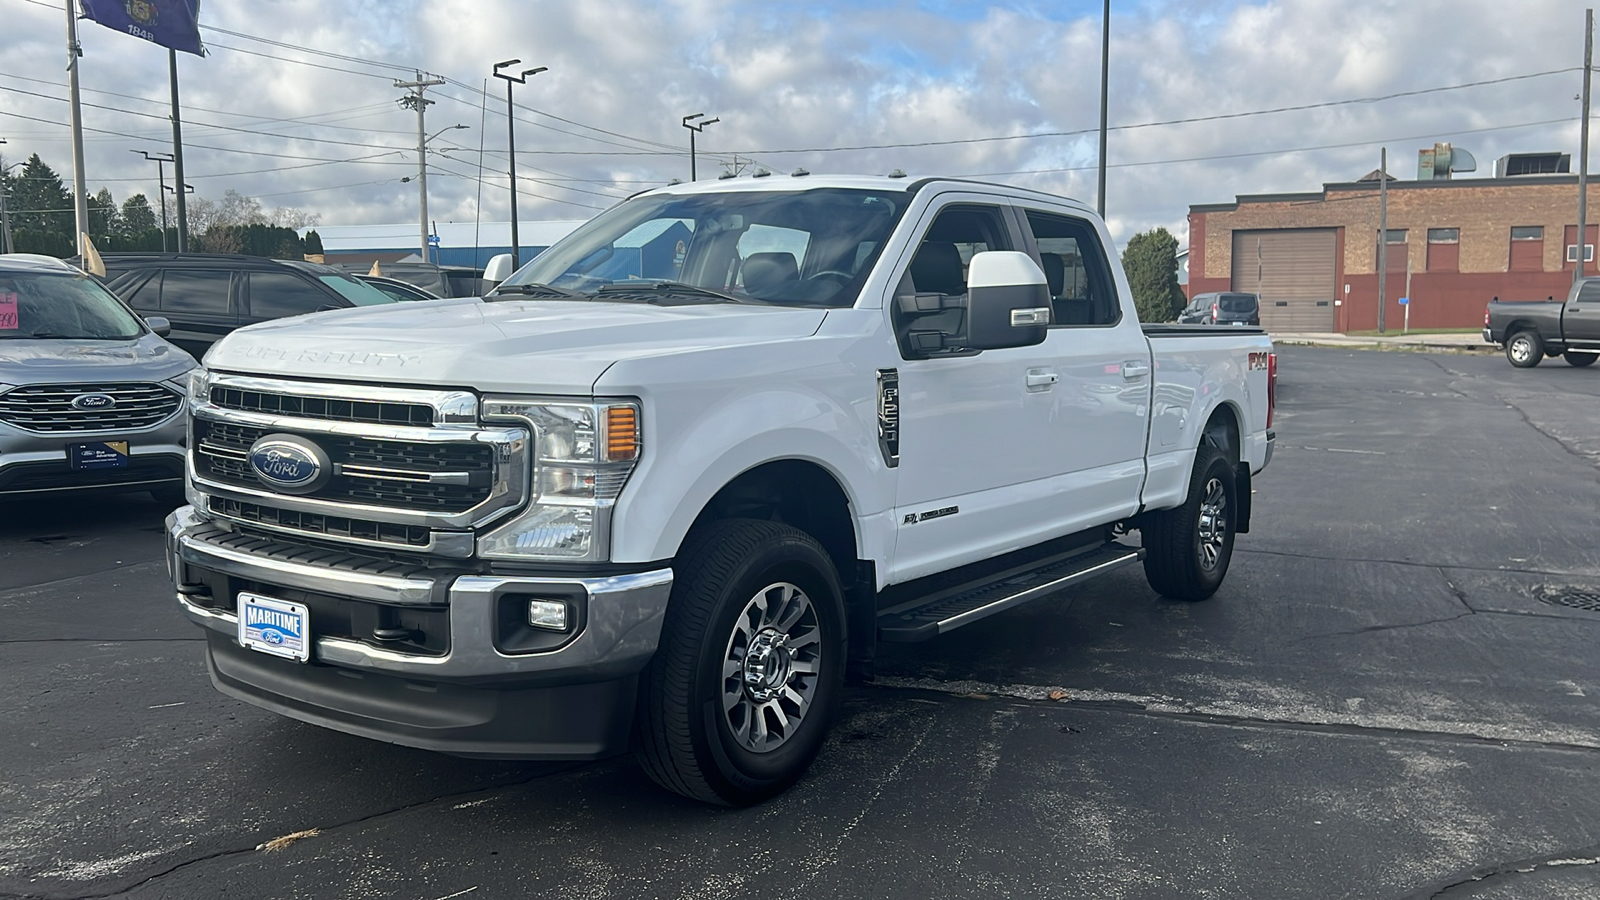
{"x": 207, "y": 295}
{"x": 1223, "y": 308}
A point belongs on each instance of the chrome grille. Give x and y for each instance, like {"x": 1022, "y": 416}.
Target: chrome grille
{"x": 47, "y": 408}
{"x": 326, "y": 408}
{"x": 403, "y": 536}
{"x": 444, "y": 477}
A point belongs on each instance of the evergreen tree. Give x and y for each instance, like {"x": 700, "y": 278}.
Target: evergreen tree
{"x": 1151, "y": 261}
{"x": 40, "y": 203}
{"x": 313, "y": 242}
{"x": 104, "y": 218}
{"x": 137, "y": 216}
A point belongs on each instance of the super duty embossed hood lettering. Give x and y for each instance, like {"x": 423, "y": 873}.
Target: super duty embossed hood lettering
{"x": 518, "y": 346}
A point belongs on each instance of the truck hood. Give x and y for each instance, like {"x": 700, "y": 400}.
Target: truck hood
{"x": 65, "y": 361}
{"x": 517, "y": 346}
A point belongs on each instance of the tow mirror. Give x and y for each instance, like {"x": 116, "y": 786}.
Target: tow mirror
{"x": 498, "y": 269}
{"x": 159, "y": 324}
{"x": 1008, "y": 301}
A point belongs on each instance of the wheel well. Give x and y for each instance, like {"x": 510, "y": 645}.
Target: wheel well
{"x": 797, "y": 493}
{"x": 1521, "y": 325}
{"x": 1222, "y": 431}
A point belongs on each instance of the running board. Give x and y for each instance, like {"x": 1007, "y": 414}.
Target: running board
{"x": 947, "y": 610}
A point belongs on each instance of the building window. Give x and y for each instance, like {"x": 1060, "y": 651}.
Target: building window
{"x": 1397, "y": 235}
{"x": 1527, "y": 248}
{"x": 1572, "y": 253}
{"x": 1444, "y": 249}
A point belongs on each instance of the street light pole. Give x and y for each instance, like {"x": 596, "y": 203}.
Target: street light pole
{"x": 695, "y": 129}
{"x": 160, "y": 159}
{"x": 1105, "y": 76}
{"x": 511, "y": 145}
{"x": 5, "y": 219}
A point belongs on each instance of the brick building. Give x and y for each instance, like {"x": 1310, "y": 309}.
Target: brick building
{"x": 1453, "y": 244}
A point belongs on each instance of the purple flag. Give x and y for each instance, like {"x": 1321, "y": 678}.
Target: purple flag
{"x": 170, "y": 23}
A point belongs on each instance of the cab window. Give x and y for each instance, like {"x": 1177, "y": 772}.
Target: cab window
{"x": 1082, "y": 292}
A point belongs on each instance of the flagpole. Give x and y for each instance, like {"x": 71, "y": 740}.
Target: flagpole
{"x": 80, "y": 196}
{"x": 177, "y": 154}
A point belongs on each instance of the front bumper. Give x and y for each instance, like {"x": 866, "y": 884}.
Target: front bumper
{"x": 466, "y": 695}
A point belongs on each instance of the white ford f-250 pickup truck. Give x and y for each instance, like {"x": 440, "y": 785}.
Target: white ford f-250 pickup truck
{"x": 669, "y": 484}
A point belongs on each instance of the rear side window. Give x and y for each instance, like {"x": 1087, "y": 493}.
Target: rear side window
{"x": 195, "y": 291}
{"x": 1081, "y": 291}
{"x": 1589, "y": 292}
{"x": 274, "y": 295}
{"x": 140, "y": 296}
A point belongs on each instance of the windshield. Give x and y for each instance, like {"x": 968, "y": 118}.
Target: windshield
{"x": 1238, "y": 302}
{"x": 796, "y": 248}
{"x": 355, "y": 291}
{"x": 60, "y": 306}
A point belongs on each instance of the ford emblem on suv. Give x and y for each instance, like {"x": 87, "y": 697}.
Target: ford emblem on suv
{"x": 93, "y": 401}
{"x": 290, "y": 464}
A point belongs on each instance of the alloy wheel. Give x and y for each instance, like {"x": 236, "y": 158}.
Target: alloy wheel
{"x": 1213, "y": 524}
{"x": 771, "y": 667}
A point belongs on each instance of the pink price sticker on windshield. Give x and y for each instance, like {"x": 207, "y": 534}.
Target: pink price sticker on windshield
{"x": 8, "y": 312}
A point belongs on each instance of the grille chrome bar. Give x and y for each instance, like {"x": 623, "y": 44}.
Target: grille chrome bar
{"x": 379, "y": 473}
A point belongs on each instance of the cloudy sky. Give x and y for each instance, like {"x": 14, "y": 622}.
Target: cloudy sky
{"x": 295, "y": 102}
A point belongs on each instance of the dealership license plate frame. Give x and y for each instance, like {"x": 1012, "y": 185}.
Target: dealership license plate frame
{"x": 267, "y": 631}
{"x": 98, "y": 455}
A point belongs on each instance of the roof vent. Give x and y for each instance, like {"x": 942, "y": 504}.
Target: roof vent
{"x": 676, "y": 181}
{"x": 800, "y": 173}
{"x": 761, "y": 173}
{"x": 726, "y": 175}
{"x": 897, "y": 174}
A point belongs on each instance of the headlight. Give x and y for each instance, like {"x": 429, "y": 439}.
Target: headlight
{"x": 195, "y": 383}
{"x": 584, "y": 454}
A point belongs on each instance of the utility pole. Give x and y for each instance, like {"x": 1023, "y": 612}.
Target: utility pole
{"x": 177, "y": 156}
{"x": 80, "y": 198}
{"x": 1383, "y": 234}
{"x": 511, "y": 144}
{"x": 160, "y": 159}
{"x": 1105, "y": 77}
{"x": 1583, "y": 149}
{"x": 695, "y": 129}
{"x": 415, "y": 100}
{"x": 5, "y": 220}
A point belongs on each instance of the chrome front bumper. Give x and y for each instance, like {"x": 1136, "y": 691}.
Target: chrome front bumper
{"x": 620, "y": 630}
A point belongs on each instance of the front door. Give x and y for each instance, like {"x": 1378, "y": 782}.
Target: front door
{"x": 973, "y": 426}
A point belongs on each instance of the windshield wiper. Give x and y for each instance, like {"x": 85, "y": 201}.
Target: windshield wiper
{"x": 646, "y": 288}
{"x": 532, "y": 289}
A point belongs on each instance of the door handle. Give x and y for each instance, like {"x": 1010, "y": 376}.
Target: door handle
{"x": 1134, "y": 369}
{"x": 1040, "y": 379}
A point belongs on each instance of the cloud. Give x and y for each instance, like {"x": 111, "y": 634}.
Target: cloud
{"x": 787, "y": 77}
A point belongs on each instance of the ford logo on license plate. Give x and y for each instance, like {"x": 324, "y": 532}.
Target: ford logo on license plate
{"x": 289, "y": 463}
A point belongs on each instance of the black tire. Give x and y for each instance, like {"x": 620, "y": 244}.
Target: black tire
{"x": 1177, "y": 562}
{"x": 170, "y": 497}
{"x": 1579, "y": 360}
{"x": 1524, "y": 349}
{"x": 685, "y": 735}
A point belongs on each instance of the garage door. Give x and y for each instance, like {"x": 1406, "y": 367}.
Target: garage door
{"x": 1293, "y": 271}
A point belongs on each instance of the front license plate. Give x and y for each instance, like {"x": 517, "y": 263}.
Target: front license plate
{"x": 274, "y": 626}
{"x": 98, "y": 455}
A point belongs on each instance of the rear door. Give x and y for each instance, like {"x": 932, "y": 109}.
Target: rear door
{"x": 1580, "y": 318}
{"x": 199, "y": 304}
{"x": 1098, "y": 415}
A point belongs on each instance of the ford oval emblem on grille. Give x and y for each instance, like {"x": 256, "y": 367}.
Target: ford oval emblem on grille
{"x": 93, "y": 401}
{"x": 290, "y": 464}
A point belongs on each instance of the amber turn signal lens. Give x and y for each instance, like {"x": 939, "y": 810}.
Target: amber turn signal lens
{"x": 622, "y": 433}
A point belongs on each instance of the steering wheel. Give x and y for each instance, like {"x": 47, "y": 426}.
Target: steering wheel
{"x": 844, "y": 277}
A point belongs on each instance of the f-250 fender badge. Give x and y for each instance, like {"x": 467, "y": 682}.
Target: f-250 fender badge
{"x": 889, "y": 416}
{"x": 914, "y": 518}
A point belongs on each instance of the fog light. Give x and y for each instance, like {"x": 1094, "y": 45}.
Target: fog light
{"x": 550, "y": 614}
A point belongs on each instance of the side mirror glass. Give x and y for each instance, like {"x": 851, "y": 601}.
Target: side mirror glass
{"x": 1008, "y": 301}
{"x": 498, "y": 269}
{"x": 159, "y": 325}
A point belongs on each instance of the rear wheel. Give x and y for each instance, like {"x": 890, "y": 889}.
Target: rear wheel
{"x": 1524, "y": 349}
{"x": 1574, "y": 358}
{"x": 737, "y": 700}
{"x": 1187, "y": 549}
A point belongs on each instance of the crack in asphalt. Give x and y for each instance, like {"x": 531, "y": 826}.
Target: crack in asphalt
{"x": 1471, "y": 878}
{"x": 1374, "y": 628}
{"x": 1175, "y": 709}
{"x": 1406, "y": 562}
{"x": 324, "y": 829}
{"x": 1589, "y": 458}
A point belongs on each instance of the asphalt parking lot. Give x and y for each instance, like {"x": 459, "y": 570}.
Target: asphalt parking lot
{"x": 1383, "y": 701}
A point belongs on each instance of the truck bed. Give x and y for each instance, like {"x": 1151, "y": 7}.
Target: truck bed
{"x": 1167, "y": 329}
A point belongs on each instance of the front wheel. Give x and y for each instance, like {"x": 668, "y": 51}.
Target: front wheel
{"x": 1524, "y": 349}
{"x": 1187, "y": 549}
{"x": 738, "y": 698}
{"x": 1574, "y": 358}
